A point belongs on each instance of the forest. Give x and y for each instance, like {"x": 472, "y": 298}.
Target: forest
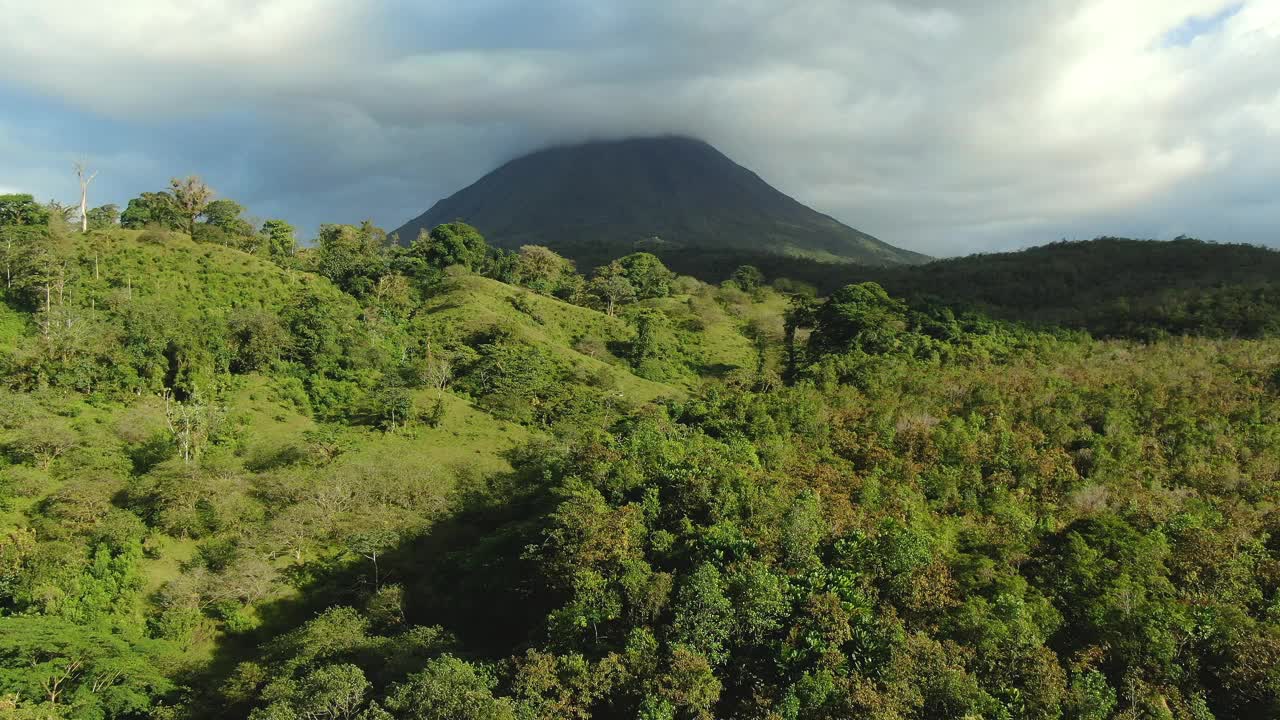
{"x": 376, "y": 478}
{"x": 1112, "y": 287}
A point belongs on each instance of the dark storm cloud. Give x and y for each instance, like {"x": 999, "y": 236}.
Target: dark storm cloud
{"x": 947, "y": 129}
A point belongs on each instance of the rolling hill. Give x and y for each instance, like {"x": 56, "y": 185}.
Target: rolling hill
{"x": 596, "y": 201}
{"x": 240, "y": 487}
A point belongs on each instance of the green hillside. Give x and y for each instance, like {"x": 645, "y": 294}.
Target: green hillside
{"x": 292, "y": 456}
{"x": 366, "y": 482}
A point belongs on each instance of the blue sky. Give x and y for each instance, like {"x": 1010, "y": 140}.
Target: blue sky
{"x": 1196, "y": 26}
{"x": 947, "y": 128}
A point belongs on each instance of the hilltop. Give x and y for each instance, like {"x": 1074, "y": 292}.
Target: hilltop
{"x": 596, "y": 201}
{"x": 1109, "y": 286}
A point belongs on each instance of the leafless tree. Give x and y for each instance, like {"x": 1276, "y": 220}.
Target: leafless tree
{"x": 85, "y": 177}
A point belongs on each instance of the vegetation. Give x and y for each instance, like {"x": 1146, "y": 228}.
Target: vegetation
{"x": 362, "y": 480}
{"x": 1112, "y": 287}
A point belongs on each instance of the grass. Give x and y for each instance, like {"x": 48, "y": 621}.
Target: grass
{"x": 12, "y": 327}
{"x": 191, "y": 279}
{"x": 466, "y": 438}
{"x": 577, "y": 337}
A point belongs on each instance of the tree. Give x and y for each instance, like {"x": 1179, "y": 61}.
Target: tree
{"x": 103, "y": 217}
{"x": 326, "y": 441}
{"x": 60, "y": 216}
{"x": 803, "y": 529}
{"x": 748, "y": 277}
{"x": 257, "y": 339}
{"x": 226, "y": 215}
{"x": 20, "y": 209}
{"x": 85, "y": 177}
{"x": 152, "y": 208}
{"x": 449, "y": 689}
{"x": 316, "y": 330}
{"x": 689, "y": 683}
{"x": 647, "y": 274}
{"x": 455, "y": 243}
{"x": 190, "y": 196}
{"x": 858, "y": 317}
{"x": 352, "y": 257}
{"x": 43, "y": 441}
{"x": 192, "y": 424}
{"x": 611, "y": 289}
{"x": 704, "y": 616}
{"x": 281, "y": 243}
{"x": 29, "y": 262}
{"x": 647, "y": 345}
{"x": 372, "y": 545}
{"x": 541, "y": 269}
{"x": 392, "y": 408}
{"x": 77, "y": 668}
{"x": 331, "y": 692}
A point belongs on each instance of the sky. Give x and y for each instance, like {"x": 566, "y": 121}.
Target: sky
{"x": 946, "y": 128}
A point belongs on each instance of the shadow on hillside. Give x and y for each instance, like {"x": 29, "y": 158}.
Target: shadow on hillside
{"x": 466, "y": 573}
{"x": 718, "y": 371}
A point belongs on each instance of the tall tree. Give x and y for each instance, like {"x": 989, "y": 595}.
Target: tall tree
{"x": 191, "y": 196}
{"x": 85, "y": 177}
{"x": 281, "y": 243}
{"x": 748, "y": 277}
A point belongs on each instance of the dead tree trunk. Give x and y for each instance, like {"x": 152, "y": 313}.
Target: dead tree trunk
{"x": 85, "y": 179}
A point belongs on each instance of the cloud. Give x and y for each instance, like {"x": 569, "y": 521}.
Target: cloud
{"x": 947, "y": 129}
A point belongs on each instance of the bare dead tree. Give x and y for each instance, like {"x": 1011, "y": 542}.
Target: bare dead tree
{"x": 85, "y": 177}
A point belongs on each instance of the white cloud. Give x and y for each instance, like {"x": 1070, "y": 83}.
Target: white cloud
{"x": 946, "y": 129}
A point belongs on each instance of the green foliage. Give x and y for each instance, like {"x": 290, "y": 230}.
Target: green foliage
{"x": 190, "y": 198}
{"x": 611, "y": 289}
{"x": 77, "y": 671}
{"x": 646, "y": 273}
{"x": 18, "y": 209}
{"x": 748, "y": 277}
{"x": 454, "y": 243}
{"x": 652, "y": 351}
{"x": 152, "y": 209}
{"x": 226, "y": 215}
{"x": 104, "y": 217}
{"x": 448, "y": 689}
{"x": 858, "y": 318}
{"x": 280, "y": 240}
{"x": 512, "y": 379}
{"x": 938, "y": 515}
{"x": 544, "y": 271}
{"x": 258, "y": 339}
{"x": 353, "y": 258}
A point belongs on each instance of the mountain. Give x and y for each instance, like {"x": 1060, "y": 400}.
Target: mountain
{"x": 597, "y": 200}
